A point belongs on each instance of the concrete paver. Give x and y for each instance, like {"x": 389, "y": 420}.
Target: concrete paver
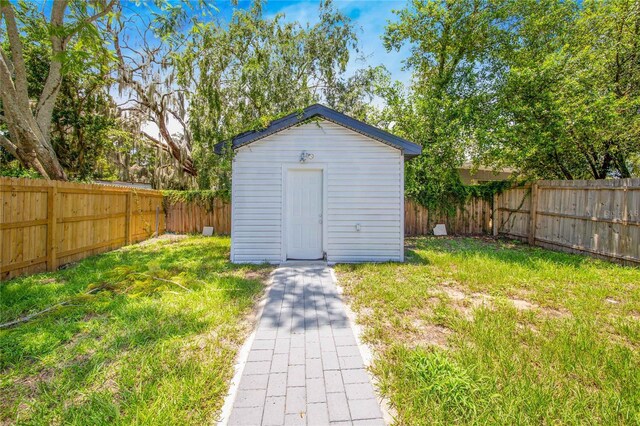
{"x": 304, "y": 366}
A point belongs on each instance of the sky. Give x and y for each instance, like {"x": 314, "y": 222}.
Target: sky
{"x": 369, "y": 18}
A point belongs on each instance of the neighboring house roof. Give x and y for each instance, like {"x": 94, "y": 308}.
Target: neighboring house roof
{"x": 469, "y": 165}
{"x": 409, "y": 149}
{"x": 471, "y": 175}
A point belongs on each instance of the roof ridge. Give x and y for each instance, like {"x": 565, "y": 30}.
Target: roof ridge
{"x": 408, "y": 148}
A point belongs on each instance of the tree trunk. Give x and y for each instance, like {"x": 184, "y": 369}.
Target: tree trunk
{"x": 29, "y": 131}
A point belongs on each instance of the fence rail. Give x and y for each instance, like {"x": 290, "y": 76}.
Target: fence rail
{"x": 188, "y": 217}
{"x": 470, "y": 219}
{"x": 46, "y": 224}
{"x": 597, "y": 217}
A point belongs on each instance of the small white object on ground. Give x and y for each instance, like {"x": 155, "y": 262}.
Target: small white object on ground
{"x": 440, "y": 230}
{"x": 207, "y": 231}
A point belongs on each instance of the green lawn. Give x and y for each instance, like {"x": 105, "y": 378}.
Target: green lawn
{"x": 475, "y": 331}
{"x": 148, "y": 336}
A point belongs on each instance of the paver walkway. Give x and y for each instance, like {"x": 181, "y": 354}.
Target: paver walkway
{"x": 304, "y": 366}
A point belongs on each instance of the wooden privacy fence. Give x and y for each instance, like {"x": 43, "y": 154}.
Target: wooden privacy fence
{"x": 46, "y": 224}
{"x": 598, "y": 217}
{"x": 472, "y": 218}
{"x": 188, "y": 217}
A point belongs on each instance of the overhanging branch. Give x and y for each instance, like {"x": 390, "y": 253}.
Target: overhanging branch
{"x": 8, "y": 145}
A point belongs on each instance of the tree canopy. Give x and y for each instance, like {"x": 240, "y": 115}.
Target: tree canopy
{"x": 548, "y": 88}
{"x": 97, "y": 89}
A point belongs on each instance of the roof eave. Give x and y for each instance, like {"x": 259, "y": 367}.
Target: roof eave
{"x": 409, "y": 149}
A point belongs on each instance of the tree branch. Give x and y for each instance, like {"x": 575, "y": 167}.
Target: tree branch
{"x": 15, "y": 45}
{"x": 46, "y": 103}
{"x": 155, "y": 141}
{"x": 99, "y": 15}
{"x": 44, "y": 109}
{"x": 8, "y": 145}
{"x": 5, "y": 58}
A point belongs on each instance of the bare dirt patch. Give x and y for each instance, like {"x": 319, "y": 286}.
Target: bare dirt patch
{"x": 466, "y": 303}
{"x": 555, "y": 313}
{"x": 51, "y": 281}
{"x": 430, "y": 335}
{"x": 523, "y": 305}
{"x": 480, "y": 300}
{"x": 259, "y": 274}
{"x": 453, "y": 293}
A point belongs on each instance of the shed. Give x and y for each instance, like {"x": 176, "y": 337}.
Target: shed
{"x": 318, "y": 184}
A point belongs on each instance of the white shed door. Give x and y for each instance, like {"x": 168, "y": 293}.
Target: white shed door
{"x": 304, "y": 214}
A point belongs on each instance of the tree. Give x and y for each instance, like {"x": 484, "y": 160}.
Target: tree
{"x": 129, "y": 157}
{"x": 255, "y": 69}
{"x": 29, "y": 126}
{"x": 600, "y": 93}
{"x": 451, "y": 45}
{"x": 550, "y": 88}
{"x": 145, "y": 57}
{"x": 84, "y": 119}
{"x": 567, "y": 104}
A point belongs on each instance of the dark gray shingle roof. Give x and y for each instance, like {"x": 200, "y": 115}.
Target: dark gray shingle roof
{"x": 409, "y": 149}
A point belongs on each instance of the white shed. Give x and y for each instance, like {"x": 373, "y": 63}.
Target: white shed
{"x": 318, "y": 185}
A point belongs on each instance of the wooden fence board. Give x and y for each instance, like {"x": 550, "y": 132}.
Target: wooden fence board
{"x": 45, "y": 224}
{"x": 597, "y": 217}
{"x": 192, "y": 217}
{"x": 471, "y": 219}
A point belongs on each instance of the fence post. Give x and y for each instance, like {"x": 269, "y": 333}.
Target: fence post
{"x": 494, "y": 215}
{"x": 52, "y": 225}
{"x": 533, "y": 208}
{"x": 157, "y": 221}
{"x": 127, "y": 221}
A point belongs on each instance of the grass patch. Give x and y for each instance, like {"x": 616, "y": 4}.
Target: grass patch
{"x": 478, "y": 331}
{"x": 148, "y": 335}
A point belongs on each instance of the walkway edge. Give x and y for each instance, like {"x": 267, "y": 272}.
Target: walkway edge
{"x": 365, "y": 351}
{"x": 243, "y": 355}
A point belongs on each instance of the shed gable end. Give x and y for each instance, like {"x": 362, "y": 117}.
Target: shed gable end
{"x": 363, "y": 194}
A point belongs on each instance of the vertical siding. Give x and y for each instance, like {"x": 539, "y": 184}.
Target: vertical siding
{"x": 364, "y": 185}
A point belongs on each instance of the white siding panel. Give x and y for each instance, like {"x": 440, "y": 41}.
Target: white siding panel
{"x": 364, "y": 186}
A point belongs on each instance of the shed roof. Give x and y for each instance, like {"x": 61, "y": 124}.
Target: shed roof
{"x": 409, "y": 149}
